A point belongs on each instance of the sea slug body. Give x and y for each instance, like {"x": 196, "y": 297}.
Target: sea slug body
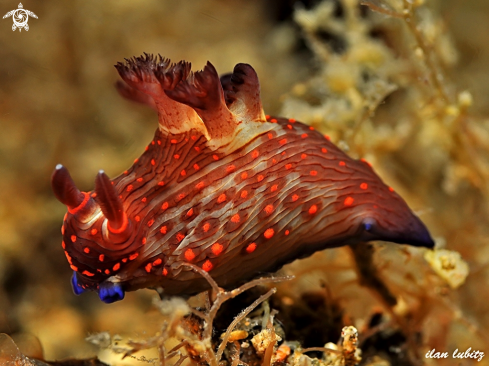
{"x": 221, "y": 186}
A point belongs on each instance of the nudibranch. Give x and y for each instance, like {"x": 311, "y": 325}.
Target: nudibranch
{"x": 222, "y": 186}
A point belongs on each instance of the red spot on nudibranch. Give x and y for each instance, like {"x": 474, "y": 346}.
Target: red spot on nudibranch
{"x": 62, "y": 230}
{"x": 221, "y": 198}
{"x": 165, "y": 272}
{"x": 260, "y": 178}
{"x": 148, "y": 267}
{"x": 313, "y": 209}
{"x": 273, "y": 120}
{"x": 303, "y": 156}
{"x": 269, "y": 233}
{"x": 235, "y": 218}
{"x": 270, "y": 136}
{"x": 348, "y": 201}
{"x": 324, "y": 150}
{"x": 116, "y": 267}
{"x": 183, "y": 173}
{"x": 136, "y": 160}
{"x": 137, "y": 218}
{"x": 244, "y": 175}
{"x": 217, "y": 248}
{"x": 207, "y": 266}
{"x": 244, "y": 194}
{"x": 283, "y": 142}
{"x": 289, "y": 127}
{"x": 268, "y": 209}
{"x": 196, "y": 167}
{"x": 251, "y": 248}
{"x": 173, "y": 141}
{"x": 101, "y": 257}
{"x": 288, "y": 166}
{"x": 190, "y": 212}
{"x": 189, "y": 254}
{"x": 161, "y": 183}
{"x": 206, "y": 227}
{"x": 73, "y": 238}
{"x": 311, "y": 128}
{"x": 255, "y": 154}
{"x": 151, "y": 222}
{"x": 68, "y": 257}
{"x": 180, "y": 236}
{"x": 304, "y": 135}
{"x": 86, "y": 250}
{"x": 314, "y": 173}
{"x": 391, "y": 189}
{"x": 139, "y": 180}
{"x": 274, "y": 188}
{"x": 89, "y": 274}
{"x": 163, "y": 230}
{"x": 176, "y": 156}
{"x": 157, "y": 262}
{"x": 215, "y": 157}
{"x": 153, "y": 162}
{"x": 366, "y": 162}
{"x": 74, "y": 268}
{"x": 129, "y": 188}
{"x": 197, "y": 148}
{"x": 164, "y": 206}
{"x": 230, "y": 168}
{"x": 143, "y": 241}
{"x": 287, "y": 232}
{"x": 200, "y": 185}
{"x": 133, "y": 256}
{"x": 364, "y": 186}
{"x": 295, "y": 197}
{"x": 341, "y": 163}
{"x": 63, "y": 245}
{"x": 327, "y": 137}
{"x": 107, "y": 271}
{"x": 144, "y": 199}
{"x": 291, "y": 120}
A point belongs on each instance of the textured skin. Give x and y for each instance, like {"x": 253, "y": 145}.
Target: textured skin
{"x": 233, "y": 199}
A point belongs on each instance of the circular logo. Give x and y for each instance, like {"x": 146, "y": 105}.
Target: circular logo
{"x": 20, "y": 18}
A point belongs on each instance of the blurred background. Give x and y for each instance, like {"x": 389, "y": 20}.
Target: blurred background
{"x": 417, "y": 111}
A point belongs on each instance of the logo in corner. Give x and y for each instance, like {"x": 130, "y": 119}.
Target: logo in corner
{"x": 20, "y": 17}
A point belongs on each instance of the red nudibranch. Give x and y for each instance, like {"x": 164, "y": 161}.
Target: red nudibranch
{"x": 222, "y": 186}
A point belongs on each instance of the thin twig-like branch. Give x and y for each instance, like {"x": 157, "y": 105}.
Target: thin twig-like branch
{"x": 382, "y": 9}
{"x": 179, "y": 362}
{"x": 239, "y": 318}
{"x": 204, "y": 274}
{"x": 321, "y": 349}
